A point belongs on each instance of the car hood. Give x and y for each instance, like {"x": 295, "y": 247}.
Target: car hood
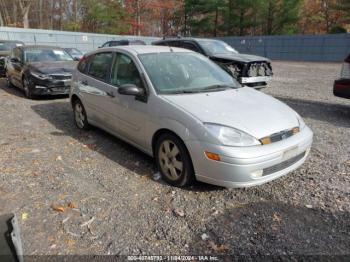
{"x": 245, "y": 109}
{"x": 241, "y": 57}
{"x": 60, "y": 67}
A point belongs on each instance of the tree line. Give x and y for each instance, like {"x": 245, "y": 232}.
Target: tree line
{"x": 180, "y": 17}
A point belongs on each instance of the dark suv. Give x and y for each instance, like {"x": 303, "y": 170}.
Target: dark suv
{"x": 123, "y": 42}
{"x": 250, "y": 70}
{"x": 6, "y": 47}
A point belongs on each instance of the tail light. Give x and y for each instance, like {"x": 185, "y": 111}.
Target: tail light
{"x": 82, "y": 58}
{"x": 347, "y": 60}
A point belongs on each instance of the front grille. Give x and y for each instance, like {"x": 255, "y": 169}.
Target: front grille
{"x": 276, "y": 137}
{"x": 259, "y": 69}
{"x": 61, "y": 77}
{"x": 281, "y": 136}
{"x": 283, "y": 165}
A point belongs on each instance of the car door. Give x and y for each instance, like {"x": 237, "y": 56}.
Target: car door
{"x": 130, "y": 113}
{"x": 16, "y": 67}
{"x": 94, "y": 88}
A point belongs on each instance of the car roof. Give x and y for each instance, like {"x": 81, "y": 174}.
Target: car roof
{"x": 183, "y": 39}
{"x": 41, "y": 47}
{"x": 11, "y": 41}
{"x": 142, "y": 49}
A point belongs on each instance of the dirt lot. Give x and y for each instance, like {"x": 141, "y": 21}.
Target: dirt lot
{"x": 112, "y": 204}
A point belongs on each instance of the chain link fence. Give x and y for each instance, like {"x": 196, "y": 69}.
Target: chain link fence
{"x": 83, "y": 41}
{"x": 327, "y": 48}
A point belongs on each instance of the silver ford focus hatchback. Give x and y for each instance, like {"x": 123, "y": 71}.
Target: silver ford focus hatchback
{"x": 189, "y": 114}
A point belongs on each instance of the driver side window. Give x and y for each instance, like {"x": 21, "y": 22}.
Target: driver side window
{"x": 124, "y": 71}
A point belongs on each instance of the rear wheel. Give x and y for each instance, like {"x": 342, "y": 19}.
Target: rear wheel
{"x": 80, "y": 117}
{"x": 8, "y": 81}
{"x": 173, "y": 161}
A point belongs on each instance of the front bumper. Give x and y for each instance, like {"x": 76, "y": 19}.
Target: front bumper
{"x": 50, "y": 87}
{"x": 262, "y": 80}
{"x": 250, "y": 166}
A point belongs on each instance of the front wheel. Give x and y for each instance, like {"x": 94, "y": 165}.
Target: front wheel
{"x": 80, "y": 117}
{"x": 27, "y": 88}
{"x": 173, "y": 161}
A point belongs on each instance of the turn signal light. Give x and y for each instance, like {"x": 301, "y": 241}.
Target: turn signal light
{"x": 212, "y": 156}
{"x": 265, "y": 140}
{"x": 296, "y": 130}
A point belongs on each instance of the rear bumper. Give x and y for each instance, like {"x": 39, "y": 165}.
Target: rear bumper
{"x": 250, "y": 166}
{"x": 341, "y": 88}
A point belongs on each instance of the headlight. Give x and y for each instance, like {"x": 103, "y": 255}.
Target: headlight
{"x": 229, "y": 136}
{"x": 41, "y": 76}
{"x": 301, "y": 122}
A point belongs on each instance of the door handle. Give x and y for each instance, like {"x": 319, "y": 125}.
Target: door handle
{"x": 110, "y": 94}
{"x": 84, "y": 82}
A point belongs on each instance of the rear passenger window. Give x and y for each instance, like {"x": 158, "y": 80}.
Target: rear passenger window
{"x": 190, "y": 46}
{"x": 100, "y": 66}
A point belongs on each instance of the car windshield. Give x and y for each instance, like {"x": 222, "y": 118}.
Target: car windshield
{"x": 175, "y": 73}
{"x": 214, "y": 47}
{"x": 74, "y": 51}
{"x": 7, "y": 46}
{"x": 42, "y": 55}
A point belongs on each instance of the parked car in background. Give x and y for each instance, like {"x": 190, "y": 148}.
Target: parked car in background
{"x": 6, "y": 47}
{"x": 342, "y": 85}
{"x": 75, "y": 53}
{"x": 189, "y": 114}
{"x": 40, "y": 70}
{"x": 249, "y": 70}
{"x": 123, "y": 42}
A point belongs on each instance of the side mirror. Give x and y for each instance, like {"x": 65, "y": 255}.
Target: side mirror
{"x": 130, "y": 90}
{"x": 14, "y": 60}
{"x": 76, "y": 58}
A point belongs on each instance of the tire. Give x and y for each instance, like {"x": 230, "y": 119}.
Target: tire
{"x": 27, "y": 88}
{"x": 80, "y": 117}
{"x": 173, "y": 161}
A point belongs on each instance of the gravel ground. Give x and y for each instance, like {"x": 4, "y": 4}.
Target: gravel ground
{"x": 90, "y": 193}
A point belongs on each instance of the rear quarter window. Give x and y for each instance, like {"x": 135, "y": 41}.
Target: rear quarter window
{"x": 100, "y": 65}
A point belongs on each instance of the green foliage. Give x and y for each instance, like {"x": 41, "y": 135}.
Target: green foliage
{"x": 241, "y": 17}
{"x": 104, "y": 16}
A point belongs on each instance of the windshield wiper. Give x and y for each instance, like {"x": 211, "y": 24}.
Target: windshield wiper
{"x": 214, "y": 88}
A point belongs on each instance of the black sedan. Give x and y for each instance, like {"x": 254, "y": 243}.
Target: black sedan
{"x": 6, "y": 47}
{"x": 249, "y": 70}
{"x": 341, "y": 86}
{"x": 40, "y": 70}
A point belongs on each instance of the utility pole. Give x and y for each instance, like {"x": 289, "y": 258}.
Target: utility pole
{"x": 138, "y": 17}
